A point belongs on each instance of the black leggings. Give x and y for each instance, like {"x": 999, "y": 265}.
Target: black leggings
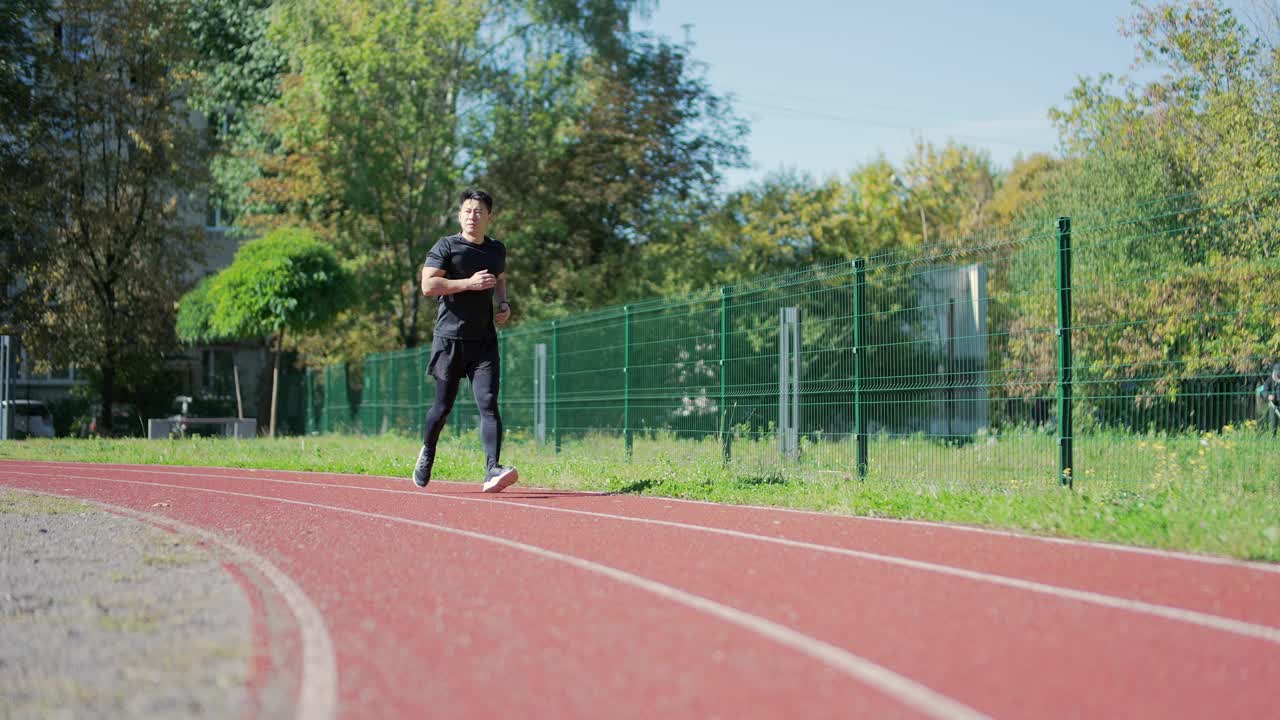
{"x": 484, "y": 383}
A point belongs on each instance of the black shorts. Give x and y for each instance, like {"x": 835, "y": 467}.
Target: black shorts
{"x": 453, "y": 359}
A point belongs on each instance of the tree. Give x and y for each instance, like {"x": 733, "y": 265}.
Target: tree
{"x": 194, "y": 325}
{"x": 24, "y": 115}
{"x": 286, "y": 281}
{"x": 115, "y": 164}
{"x": 387, "y": 108}
{"x": 950, "y": 187}
{"x": 1171, "y": 186}
{"x": 594, "y": 173}
{"x": 1021, "y": 191}
{"x": 236, "y": 73}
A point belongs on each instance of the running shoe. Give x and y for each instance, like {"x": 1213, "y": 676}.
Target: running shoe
{"x": 422, "y": 470}
{"x": 500, "y": 478}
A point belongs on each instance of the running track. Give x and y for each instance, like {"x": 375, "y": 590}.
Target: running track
{"x": 381, "y": 600}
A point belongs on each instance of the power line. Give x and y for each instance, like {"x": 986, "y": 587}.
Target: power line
{"x": 887, "y": 125}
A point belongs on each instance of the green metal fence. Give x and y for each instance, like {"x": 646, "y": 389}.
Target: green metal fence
{"x": 1121, "y": 347}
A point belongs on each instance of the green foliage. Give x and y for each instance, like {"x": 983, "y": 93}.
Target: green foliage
{"x": 236, "y": 73}
{"x": 286, "y": 280}
{"x": 109, "y": 242}
{"x": 590, "y": 138}
{"x": 594, "y": 161}
{"x": 24, "y": 114}
{"x": 1173, "y": 292}
{"x": 238, "y": 68}
{"x": 195, "y": 315}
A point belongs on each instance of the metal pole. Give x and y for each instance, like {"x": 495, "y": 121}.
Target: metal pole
{"x": 309, "y": 407}
{"x": 326, "y": 398}
{"x": 423, "y": 358}
{"x": 626, "y": 378}
{"x": 1065, "y": 462}
{"x": 789, "y": 382}
{"x": 5, "y": 394}
{"x": 859, "y": 417}
{"x": 795, "y": 383}
{"x": 784, "y": 385}
{"x": 726, "y": 439}
{"x": 540, "y": 393}
{"x": 555, "y": 383}
{"x": 950, "y": 376}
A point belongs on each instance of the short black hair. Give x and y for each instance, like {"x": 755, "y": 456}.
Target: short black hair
{"x": 478, "y": 195}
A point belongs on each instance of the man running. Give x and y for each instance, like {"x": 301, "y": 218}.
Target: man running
{"x": 467, "y": 273}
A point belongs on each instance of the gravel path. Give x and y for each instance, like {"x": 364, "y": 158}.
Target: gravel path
{"x": 105, "y": 616}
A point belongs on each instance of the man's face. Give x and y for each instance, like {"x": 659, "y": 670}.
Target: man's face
{"x": 474, "y": 218}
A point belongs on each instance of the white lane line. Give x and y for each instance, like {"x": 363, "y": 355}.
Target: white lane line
{"x": 1074, "y": 542}
{"x": 899, "y": 687}
{"x": 1133, "y": 549}
{"x": 318, "y": 686}
{"x": 1192, "y": 617}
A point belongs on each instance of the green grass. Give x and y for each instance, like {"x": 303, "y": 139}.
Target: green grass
{"x": 25, "y": 504}
{"x": 1215, "y": 493}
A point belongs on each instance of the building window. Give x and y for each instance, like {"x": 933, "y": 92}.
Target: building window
{"x": 217, "y": 379}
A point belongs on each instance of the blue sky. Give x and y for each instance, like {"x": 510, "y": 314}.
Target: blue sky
{"x": 828, "y": 85}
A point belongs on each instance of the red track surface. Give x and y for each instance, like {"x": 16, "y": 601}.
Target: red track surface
{"x": 452, "y": 603}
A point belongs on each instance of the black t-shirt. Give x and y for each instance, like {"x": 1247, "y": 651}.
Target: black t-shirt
{"x": 467, "y": 315}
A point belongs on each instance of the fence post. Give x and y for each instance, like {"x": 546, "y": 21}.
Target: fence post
{"x": 324, "y": 406}
{"x": 626, "y": 378}
{"x": 309, "y": 402}
{"x": 393, "y": 404}
{"x": 789, "y": 382}
{"x": 726, "y": 439}
{"x": 420, "y": 372}
{"x": 540, "y": 393}
{"x": 555, "y": 383}
{"x": 6, "y": 363}
{"x": 378, "y": 409}
{"x": 1065, "y": 463}
{"x": 859, "y": 417}
{"x": 369, "y": 397}
{"x": 502, "y": 353}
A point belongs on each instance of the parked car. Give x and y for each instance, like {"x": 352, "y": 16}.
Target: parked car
{"x": 30, "y": 418}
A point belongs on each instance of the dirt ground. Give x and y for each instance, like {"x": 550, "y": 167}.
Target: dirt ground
{"x": 107, "y": 616}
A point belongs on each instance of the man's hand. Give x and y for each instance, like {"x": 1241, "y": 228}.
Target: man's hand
{"x": 482, "y": 280}
{"x": 503, "y": 314}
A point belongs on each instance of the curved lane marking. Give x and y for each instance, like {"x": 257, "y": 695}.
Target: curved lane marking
{"x": 1193, "y": 617}
{"x": 1154, "y": 552}
{"x": 317, "y": 691}
{"x": 899, "y": 687}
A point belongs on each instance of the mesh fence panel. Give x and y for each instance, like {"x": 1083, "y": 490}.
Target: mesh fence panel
{"x": 951, "y": 364}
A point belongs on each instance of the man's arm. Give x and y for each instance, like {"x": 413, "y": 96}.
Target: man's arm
{"x": 434, "y": 283}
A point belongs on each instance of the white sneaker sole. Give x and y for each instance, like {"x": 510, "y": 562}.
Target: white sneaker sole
{"x": 502, "y": 482}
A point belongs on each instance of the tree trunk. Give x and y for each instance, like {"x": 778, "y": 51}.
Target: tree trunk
{"x": 235, "y": 373}
{"x": 275, "y": 382}
{"x": 108, "y": 393}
